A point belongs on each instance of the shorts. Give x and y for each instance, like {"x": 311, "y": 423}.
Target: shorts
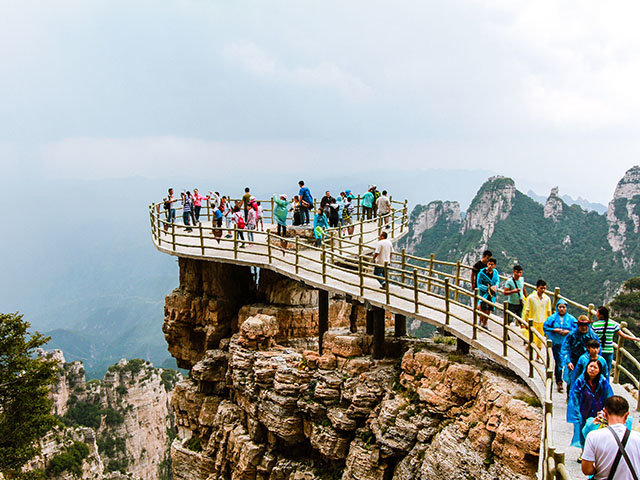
{"x": 486, "y": 308}
{"x": 347, "y": 221}
{"x": 516, "y": 309}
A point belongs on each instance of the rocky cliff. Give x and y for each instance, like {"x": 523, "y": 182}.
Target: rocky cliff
{"x": 118, "y": 427}
{"x": 586, "y": 254}
{"x": 261, "y": 403}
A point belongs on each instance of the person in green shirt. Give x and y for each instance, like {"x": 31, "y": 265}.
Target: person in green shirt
{"x": 515, "y": 292}
{"x": 604, "y": 329}
{"x": 367, "y": 204}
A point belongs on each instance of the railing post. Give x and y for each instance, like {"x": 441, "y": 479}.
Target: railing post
{"x": 431, "y": 258}
{"x": 616, "y": 370}
{"x": 416, "y": 298}
{"x": 556, "y": 297}
{"x": 403, "y": 265}
{"x": 173, "y": 234}
{"x": 360, "y": 272}
{"x": 530, "y": 348}
{"x": 201, "y": 238}
{"x": 269, "y": 245}
{"x": 457, "y": 280}
{"x": 589, "y": 313}
{"x": 208, "y": 211}
{"x": 272, "y": 211}
{"x": 505, "y": 327}
{"x": 393, "y": 223}
{"x": 235, "y": 241}
{"x": 474, "y": 333}
{"x": 446, "y": 301}
{"x": 158, "y": 231}
{"x": 404, "y": 214}
{"x": 558, "y": 458}
{"x": 358, "y": 211}
{"x": 333, "y": 256}
{"x": 547, "y": 363}
{"x": 386, "y": 282}
{"x": 297, "y": 254}
{"x": 323, "y": 254}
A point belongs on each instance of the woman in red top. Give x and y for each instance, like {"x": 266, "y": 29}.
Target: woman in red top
{"x": 197, "y": 204}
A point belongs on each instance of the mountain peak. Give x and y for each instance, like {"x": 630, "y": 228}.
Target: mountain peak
{"x": 492, "y": 203}
{"x": 554, "y": 205}
{"x": 623, "y": 215}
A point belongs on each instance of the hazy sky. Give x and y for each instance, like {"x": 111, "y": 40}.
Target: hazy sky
{"x": 545, "y": 92}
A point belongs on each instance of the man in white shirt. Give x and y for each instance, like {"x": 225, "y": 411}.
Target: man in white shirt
{"x": 384, "y": 207}
{"x": 601, "y": 450}
{"x": 381, "y": 256}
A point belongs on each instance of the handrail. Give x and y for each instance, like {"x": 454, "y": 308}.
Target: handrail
{"x": 413, "y": 277}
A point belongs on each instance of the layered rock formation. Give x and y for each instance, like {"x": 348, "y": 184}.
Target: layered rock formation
{"x": 426, "y": 218}
{"x": 258, "y": 405}
{"x": 125, "y": 420}
{"x": 553, "y": 206}
{"x": 623, "y": 217}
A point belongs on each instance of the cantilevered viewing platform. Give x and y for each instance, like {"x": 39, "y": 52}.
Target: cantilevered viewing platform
{"x": 426, "y": 289}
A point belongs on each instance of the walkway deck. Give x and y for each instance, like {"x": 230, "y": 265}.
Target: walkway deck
{"x": 424, "y": 306}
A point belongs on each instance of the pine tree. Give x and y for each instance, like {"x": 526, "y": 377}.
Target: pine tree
{"x": 25, "y": 406}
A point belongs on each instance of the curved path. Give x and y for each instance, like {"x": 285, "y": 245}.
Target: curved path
{"x": 341, "y": 269}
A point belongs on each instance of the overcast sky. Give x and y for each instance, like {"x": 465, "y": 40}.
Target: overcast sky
{"x": 545, "y": 92}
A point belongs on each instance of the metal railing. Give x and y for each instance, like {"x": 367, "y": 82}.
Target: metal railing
{"x": 342, "y": 262}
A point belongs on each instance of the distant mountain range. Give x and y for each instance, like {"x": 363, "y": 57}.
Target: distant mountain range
{"x": 588, "y": 254}
{"x": 586, "y": 204}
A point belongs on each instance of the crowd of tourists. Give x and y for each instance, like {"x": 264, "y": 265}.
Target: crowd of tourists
{"x": 582, "y": 349}
{"x": 247, "y": 213}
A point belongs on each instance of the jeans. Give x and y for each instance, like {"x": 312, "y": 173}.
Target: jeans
{"x": 304, "y": 215}
{"x": 171, "y": 215}
{"x": 608, "y": 357}
{"x": 282, "y": 230}
{"x": 197, "y": 214}
{"x": 250, "y": 229}
{"x": 367, "y": 212}
{"x": 185, "y": 218}
{"x": 557, "y": 371}
{"x": 379, "y": 272}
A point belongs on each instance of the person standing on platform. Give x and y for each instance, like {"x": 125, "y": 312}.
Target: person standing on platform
{"x": 197, "y": 205}
{"x": 488, "y": 283}
{"x": 515, "y": 292}
{"x": 187, "y": 210}
{"x": 382, "y": 257}
{"x": 252, "y": 222}
{"x": 347, "y": 213}
{"x": 605, "y": 328}
{"x": 171, "y": 211}
{"x": 383, "y": 207}
{"x": 306, "y": 202}
{"x": 320, "y": 224}
{"x": 239, "y": 222}
{"x": 557, "y": 327}
{"x": 376, "y": 196}
{"x": 367, "y": 205}
{"x": 260, "y": 216}
{"x": 280, "y": 210}
{"x": 246, "y": 199}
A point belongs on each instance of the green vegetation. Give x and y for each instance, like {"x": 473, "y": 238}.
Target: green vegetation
{"x": 444, "y": 340}
{"x": 90, "y": 414}
{"x": 121, "y": 390}
{"x": 625, "y": 307}
{"x": 194, "y": 444}
{"x": 531, "y": 400}
{"x": 111, "y": 446}
{"x": 117, "y": 465}
{"x": 24, "y": 387}
{"x": 70, "y": 460}
{"x": 169, "y": 378}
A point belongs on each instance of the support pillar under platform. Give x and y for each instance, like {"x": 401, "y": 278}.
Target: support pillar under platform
{"x": 400, "y": 325}
{"x": 369, "y": 327}
{"x": 323, "y": 317}
{"x": 462, "y": 346}
{"x": 378, "y": 333}
{"x": 353, "y": 315}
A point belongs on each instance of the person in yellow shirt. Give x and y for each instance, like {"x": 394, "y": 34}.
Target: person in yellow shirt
{"x": 537, "y": 307}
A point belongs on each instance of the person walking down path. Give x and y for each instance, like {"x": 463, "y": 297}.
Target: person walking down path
{"x": 320, "y": 224}
{"x": 383, "y": 207}
{"x": 537, "y": 307}
{"x": 613, "y": 452}
{"x": 382, "y": 257}
{"x": 515, "y": 292}
{"x": 197, "y": 205}
{"x": 586, "y": 399}
{"x": 556, "y": 327}
{"x": 593, "y": 353}
{"x": 574, "y": 346}
{"x": 306, "y": 202}
{"x": 479, "y": 265}
{"x": 187, "y": 210}
{"x": 367, "y": 205}
{"x": 488, "y": 283}
{"x": 605, "y": 328}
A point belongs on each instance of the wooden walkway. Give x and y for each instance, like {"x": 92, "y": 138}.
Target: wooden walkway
{"x": 318, "y": 268}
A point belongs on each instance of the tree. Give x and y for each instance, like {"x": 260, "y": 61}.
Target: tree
{"x": 25, "y": 406}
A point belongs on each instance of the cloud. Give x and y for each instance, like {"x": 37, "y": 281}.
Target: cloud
{"x": 324, "y": 75}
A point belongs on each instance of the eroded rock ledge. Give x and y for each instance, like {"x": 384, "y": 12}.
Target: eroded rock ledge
{"x": 254, "y": 408}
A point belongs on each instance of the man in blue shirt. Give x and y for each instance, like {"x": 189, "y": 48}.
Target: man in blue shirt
{"x": 306, "y": 202}
{"x": 488, "y": 282}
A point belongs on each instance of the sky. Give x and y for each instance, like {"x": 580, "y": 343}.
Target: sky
{"x": 545, "y": 92}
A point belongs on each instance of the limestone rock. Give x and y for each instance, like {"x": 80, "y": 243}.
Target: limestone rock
{"x": 554, "y": 206}
{"x": 258, "y": 331}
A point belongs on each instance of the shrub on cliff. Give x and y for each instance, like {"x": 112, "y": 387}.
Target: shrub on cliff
{"x": 25, "y": 380}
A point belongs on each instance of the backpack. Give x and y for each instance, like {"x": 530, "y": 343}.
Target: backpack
{"x": 240, "y": 221}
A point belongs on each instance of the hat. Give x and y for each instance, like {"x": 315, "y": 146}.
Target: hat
{"x": 347, "y": 192}
{"x": 583, "y": 320}
{"x": 284, "y": 195}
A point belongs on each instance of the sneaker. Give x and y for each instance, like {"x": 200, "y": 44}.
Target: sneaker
{"x": 559, "y": 387}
